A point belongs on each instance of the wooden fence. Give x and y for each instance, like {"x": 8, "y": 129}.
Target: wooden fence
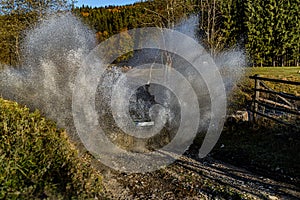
{"x": 278, "y": 106}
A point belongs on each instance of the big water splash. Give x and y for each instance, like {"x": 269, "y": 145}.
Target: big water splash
{"x": 57, "y": 57}
{"x": 53, "y": 52}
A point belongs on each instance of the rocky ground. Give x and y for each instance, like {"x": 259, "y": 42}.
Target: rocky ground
{"x": 191, "y": 178}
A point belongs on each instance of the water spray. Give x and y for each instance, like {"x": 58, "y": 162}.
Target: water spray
{"x": 70, "y": 80}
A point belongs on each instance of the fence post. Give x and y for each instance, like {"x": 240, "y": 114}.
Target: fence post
{"x": 256, "y": 98}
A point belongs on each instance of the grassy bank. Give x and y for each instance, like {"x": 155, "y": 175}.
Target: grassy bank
{"x": 38, "y": 161}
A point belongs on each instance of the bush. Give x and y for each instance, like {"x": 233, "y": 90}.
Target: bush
{"x": 38, "y": 161}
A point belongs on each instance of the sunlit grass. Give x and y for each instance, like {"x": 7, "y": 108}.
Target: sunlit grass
{"x": 37, "y": 160}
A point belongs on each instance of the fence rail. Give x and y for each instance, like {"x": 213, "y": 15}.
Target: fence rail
{"x": 257, "y": 77}
{"x": 280, "y": 102}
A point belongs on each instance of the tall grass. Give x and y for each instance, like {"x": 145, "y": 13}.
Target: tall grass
{"x": 38, "y": 161}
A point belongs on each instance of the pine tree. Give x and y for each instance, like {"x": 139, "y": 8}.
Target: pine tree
{"x": 273, "y": 32}
{"x": 255, "y": 26}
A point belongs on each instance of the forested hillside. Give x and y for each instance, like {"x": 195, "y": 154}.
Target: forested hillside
{"x": 268, "y": 30}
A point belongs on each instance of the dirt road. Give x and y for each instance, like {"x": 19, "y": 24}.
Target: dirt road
{"x": 188, "y": 178}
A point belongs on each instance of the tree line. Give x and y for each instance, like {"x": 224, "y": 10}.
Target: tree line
{"x": 267, "y": 30}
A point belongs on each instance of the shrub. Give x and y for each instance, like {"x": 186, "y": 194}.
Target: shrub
{"x": 38, "y": 161}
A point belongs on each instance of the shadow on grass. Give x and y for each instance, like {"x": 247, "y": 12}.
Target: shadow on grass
{"x": 272, "y": 151}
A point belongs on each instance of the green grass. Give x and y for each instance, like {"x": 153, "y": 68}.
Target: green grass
{"x": 38, "y": 161}
{"x": 283, "y": 73}
{"x": 290, "y": 73}
{"x": 242, "y": 95}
